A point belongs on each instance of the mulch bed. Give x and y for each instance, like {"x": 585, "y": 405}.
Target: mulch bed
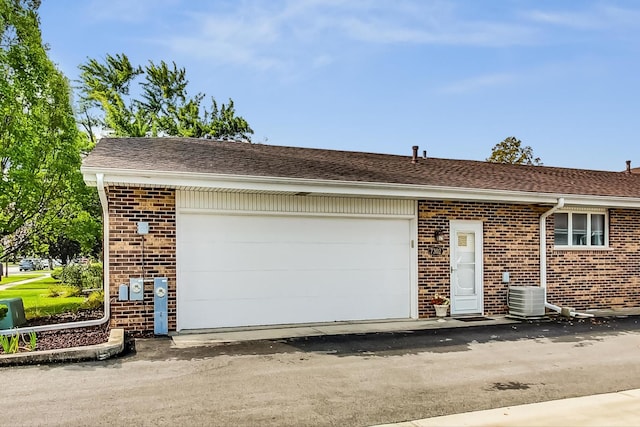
{"x": 66, "y": 338}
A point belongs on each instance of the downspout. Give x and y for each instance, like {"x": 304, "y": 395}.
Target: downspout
{"x": 543, "y": 261}
{"x": 105, "y": 265}
{"x": 543, "y": 252}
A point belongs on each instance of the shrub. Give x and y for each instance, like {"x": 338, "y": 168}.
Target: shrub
{"x": 63, "y": 291}
{"x": 3, "y": 311}
{"x": 56, "y": 291}
{"x": 94, "y": 300}
{"x": 82, "y": 276}
{"x": 57, "y": 273}
{"x": 72, "y": 275}
{"x": 92, "y": 276}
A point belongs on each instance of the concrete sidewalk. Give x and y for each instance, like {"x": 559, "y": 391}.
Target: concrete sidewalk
{"x": 204, "y": 337}
{"x": 22, "y": 282}
{"x": 611, "y": 409}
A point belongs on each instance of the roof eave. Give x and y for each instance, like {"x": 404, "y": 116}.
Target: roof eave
{"x": 190, "y": 180}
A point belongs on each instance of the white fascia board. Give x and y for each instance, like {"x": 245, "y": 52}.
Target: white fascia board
{"x": 345, "y": 188}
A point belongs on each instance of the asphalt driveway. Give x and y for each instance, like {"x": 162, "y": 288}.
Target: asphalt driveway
{"x": 344, "y": 380}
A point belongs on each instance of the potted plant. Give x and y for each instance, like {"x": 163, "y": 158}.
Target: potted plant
{"x": 441, "y": 304}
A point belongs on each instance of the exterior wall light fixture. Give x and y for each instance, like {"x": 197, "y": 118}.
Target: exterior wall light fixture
{"x": 439, "y": 235}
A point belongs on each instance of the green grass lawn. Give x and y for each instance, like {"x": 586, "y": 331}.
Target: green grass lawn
{"x": 36, "y": 299}
{"x": 18, "y": 277}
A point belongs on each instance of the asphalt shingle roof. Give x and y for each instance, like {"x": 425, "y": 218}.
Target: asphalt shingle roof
{"x": 190, "y": 155}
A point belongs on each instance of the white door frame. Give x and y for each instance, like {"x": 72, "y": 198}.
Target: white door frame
{"x": 470, "y": 305}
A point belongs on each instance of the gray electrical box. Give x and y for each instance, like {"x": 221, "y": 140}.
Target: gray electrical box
{"x": 136, "y": 289}
{"x": 123, "y": 292}
{"x": 143, "y": 227}
{"x": 160, "y": 306}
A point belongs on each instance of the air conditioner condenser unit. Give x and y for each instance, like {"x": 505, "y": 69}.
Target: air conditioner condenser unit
{"x": 526, "y": 301}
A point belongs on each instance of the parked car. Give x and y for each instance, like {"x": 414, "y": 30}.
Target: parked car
{"x": 80, "y": 260}
{"x": 27, "y": 265}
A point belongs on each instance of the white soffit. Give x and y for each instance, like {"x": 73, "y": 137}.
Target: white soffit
{"x": 296, "y": 204}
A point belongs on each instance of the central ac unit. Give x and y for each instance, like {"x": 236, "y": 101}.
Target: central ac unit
{"x": 526, "y": 301}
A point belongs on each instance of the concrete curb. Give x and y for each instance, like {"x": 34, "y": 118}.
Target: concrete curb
{"x": 113, "y": 347}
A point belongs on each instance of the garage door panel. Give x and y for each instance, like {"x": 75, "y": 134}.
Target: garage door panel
{"x": 257, "y": 270}
{"x": 291, "y": 284}
{"x": 204, "y": 314}
{"x": 286, "y": 256}
{"x": 295, "y": 256}
{"x": 292, "y": 229}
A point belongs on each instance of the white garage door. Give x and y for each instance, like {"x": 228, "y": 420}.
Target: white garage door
{"x": 241, "y": 270}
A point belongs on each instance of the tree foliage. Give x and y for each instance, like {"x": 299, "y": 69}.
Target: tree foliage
{"x": 77, "y": 230}
{"x": 160, "y": 105}
{"x": 40, "y": 144}
{"x": 511, "y": 151}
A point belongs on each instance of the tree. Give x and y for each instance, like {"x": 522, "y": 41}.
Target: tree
{"x": 40, "y": 143}
{"x": 163, "y": 106}
{"x": 511, "y": 151}
{"x": 77, "y": 230}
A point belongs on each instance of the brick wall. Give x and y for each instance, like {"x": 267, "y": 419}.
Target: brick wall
{"x": 128, "y": 206}
{"x": 577, "y": 278}
{"x": 511, "y": 243}
{"x": 584, "y": 279}
{"x": 591, "y": 279}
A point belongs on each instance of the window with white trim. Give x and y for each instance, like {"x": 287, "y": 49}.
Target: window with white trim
{"x": 581, "y": 229}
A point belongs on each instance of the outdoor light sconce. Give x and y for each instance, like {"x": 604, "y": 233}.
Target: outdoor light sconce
{"x": 439, "y": 235}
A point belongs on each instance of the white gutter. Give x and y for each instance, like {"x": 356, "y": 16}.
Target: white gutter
{"x": 105, "y": 265}
{"x": 543, "y": 261}
{"x": 222, "y": 182}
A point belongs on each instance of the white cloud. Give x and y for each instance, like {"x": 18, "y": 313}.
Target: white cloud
{"x": 322, "y": 61}
{"x": 478, "y": 83}
{"x": 284, "y": 34}
{"x": 460, "y": 34}
{"x": 566, "y": 19}
{"x": 598, "y": 17}
{"x": 128, "y": 11}
{"x": 289, "y": 36}
{"x": 540, "y": 74}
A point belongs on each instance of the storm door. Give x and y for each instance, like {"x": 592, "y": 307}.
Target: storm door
{"x": 466, "y": 267}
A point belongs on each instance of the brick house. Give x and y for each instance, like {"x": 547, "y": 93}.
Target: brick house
{"x": 253, "y": 234}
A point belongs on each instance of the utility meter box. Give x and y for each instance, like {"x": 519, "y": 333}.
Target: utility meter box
{"x": 143, "y": 227}
{"x": 15, "y": 313}
{"x": 160, "y": 306}
{"x": 136, "y": 289}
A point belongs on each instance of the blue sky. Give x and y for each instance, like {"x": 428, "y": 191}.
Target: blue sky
{"x": 454, "y": 77}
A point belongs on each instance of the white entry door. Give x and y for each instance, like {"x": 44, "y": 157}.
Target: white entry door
{"x": 466, "y": 267}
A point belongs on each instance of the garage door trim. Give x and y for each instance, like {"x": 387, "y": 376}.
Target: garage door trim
{"x": 184, "y": 211}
